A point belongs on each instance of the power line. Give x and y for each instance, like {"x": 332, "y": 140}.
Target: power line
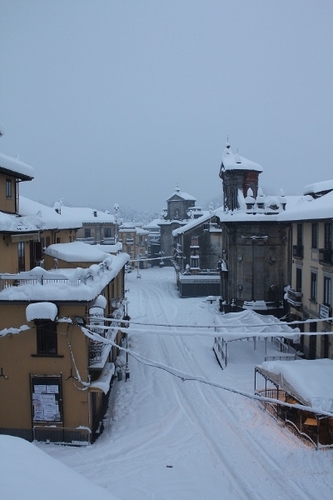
{"x": 219, "y": 325}
{"x": 186, "y": 377}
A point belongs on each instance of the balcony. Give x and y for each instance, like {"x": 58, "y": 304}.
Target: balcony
{"x": 298, "y": 251}
{"x": 294, "y": 298}
{"x": 326, "y": 256}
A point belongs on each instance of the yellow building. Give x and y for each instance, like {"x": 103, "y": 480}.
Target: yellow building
{"x": 310, "y": 293}
{"x": 134, "y": 240}
{"x": 61, "y": 306}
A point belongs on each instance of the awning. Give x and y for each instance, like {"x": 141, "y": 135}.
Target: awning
{"x": 102, "y": 384}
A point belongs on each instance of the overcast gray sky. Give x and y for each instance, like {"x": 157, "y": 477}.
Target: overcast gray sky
{"x": 119, "y": 101}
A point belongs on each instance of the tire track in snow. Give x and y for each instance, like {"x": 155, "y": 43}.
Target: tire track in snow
{"x": 161, "y": 350}
{"x": 205, "y": 407}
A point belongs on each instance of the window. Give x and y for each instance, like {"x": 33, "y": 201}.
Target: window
{"x": 35, "y": 253}
{"x": 194, "y": 241}
{"x": 8, "y": 188}
{"x": 313, "y": 295}
{"x": 299, "y": 234}
{"x": 328, "y": 236}
{"x": 194, "y": 262}
{"x": 46, "y": 337}
{"x": 314, "y": 240}
{"x": 327, "y": 291}
{"x": 107, "y": 232}
{"x": 21, "y": 256}
{"x": 87, "y": 232}
{"x": 298, "y": 279}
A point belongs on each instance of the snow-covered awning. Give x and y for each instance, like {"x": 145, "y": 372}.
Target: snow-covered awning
{"x": 309, "y": 380}
{"x": 104, "y": 381}
{"x": 41, "y": 310}
{"x": 249, "y": 324}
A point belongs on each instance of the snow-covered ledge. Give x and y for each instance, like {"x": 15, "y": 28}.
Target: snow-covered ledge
{"x": 41, "y": 310}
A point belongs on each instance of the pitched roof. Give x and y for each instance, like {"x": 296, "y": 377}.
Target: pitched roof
{"x": 16, "y": 167}
{"x": 231, "y": 161}
{"x": 181, "y": 194}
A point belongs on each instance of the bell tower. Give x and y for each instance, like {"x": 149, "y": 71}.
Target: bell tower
{"x": 238, "y": 175}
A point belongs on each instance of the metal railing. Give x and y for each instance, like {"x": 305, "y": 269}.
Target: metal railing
{"x": 75, "y": 436}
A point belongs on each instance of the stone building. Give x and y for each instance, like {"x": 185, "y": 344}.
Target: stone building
{"x": 181, "y": 208}
{"x": 197, "y": 253}
{"x": 255, "y": 265}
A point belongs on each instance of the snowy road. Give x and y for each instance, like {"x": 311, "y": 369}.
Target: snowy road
{"x": 169, "y": 439}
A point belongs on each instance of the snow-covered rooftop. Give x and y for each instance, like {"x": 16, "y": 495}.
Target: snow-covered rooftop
{"x": 319, "y": 187}
{"x": 193, "y": 223}
{"x": 259, "y": 215}
{"x": 51, "y": 218}
{"x": 181, "y": 194}
{"x": 114, "y": 249}
{"x": 62, "y": 284}
{"x": 65, "y": 217}
{"x": 76, "y": 251}
{"x": 16, "y": 167}
{"x": 87, "y": 215}
{"x": 231, "y": 161}
{"x": 307, "y": 208}
{"x": 15, "y": 224}
{"x": 153, "y": 225}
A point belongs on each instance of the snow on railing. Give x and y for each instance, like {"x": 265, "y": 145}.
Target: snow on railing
{"x": 40, "y": 276}
{"x": 7, "y": 281}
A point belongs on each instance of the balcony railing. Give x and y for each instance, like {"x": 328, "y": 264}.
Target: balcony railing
{"x": 9, "y": 280}
{"x": 298, "y": 251}
{"x": 325, "y": 256}
{"x": 294, "y": 298}
{"x": 40, "y": 276}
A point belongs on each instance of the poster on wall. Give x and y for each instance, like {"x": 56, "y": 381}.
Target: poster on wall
{"x": 46, "y": 399}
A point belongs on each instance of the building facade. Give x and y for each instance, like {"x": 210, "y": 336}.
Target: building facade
{"x": 61, "y": 307}
{"x": 255, "y": 264}
{"x": 310, "y": 293}
{"x": 181, "y": 208}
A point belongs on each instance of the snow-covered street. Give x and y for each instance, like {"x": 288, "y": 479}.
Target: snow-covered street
{"x": 167, "y": 438}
